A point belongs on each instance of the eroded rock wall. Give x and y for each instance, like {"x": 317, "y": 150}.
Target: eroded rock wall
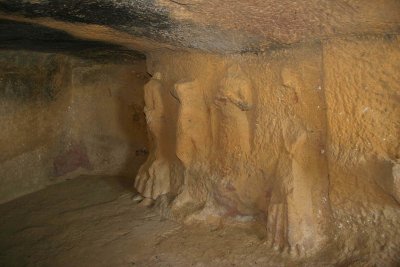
{"x": 62, "y": 116}
{"x": 32, "y": 108}
{"x": 363, "y": 115}
{"x": 106, "y": 115}
{"x": 303, "y": 139}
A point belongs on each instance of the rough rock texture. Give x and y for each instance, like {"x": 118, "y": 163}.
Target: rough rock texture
{"x": 25, "y": 36}
{"x": 31, "y": 117}
{"x": 92, "y": 221}
{"x": 211, "y": 25}
{"x": 62, "y": 116}
{"x": 363, "y": 114}
{"x": 283, "y": 114}
{"x": 304, "y": 140}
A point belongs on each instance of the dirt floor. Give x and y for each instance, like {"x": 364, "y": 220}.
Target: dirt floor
{"x": 93, "y": 221}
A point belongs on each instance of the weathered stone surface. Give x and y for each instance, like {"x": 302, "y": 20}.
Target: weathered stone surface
{"x": 62, "y": 116}
{"x": 283, "y": 115}
{"x": 33, "y": 83}
{"x": 25, "y": 36}
{"x": 281, "y": 138}
{"x": 255, "y": 129}
{"x": 217, "y": 26}
{"x": 363, "y": 112}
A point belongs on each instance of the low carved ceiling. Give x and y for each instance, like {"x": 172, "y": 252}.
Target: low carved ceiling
{"x": 222, "y": 26}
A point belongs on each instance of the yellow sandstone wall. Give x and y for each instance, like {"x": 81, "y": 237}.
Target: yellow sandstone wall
{"x": 62, "y": 116}
{"x": 303, "y": 138}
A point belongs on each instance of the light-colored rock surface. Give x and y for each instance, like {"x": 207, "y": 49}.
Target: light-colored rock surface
{"x": 94, "y": 221}
{"x": 62, "y": 116}
{"x": 277, "y": 115}
{"x": 303, "y": 139}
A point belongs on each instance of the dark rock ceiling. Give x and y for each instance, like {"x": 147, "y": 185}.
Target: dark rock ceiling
{"x": 223, "y": 26}
{"x": 25, "y": 36}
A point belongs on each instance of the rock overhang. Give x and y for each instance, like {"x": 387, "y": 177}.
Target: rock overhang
{"x": 27, "y": 36}
{"x": 229, "y": 26}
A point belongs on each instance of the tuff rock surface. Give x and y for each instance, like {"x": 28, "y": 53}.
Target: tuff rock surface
{"x": 284, "y": 114}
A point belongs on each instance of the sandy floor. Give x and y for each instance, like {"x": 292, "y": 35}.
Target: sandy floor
{"x": 93, "y": 221}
